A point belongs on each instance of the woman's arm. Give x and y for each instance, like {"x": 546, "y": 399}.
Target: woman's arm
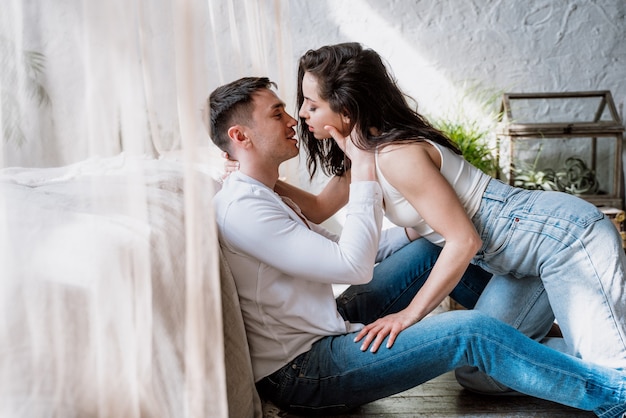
{"x": 317, "y": 208}
{"x": 414, "y": 170}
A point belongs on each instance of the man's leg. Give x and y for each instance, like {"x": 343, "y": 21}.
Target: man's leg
{"x": 335, "y": 376}
{"x": 522, "y": 304}
{"x": 398, "y": 278}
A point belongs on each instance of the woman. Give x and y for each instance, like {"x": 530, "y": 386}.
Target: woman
{"x": 345, "y": 90}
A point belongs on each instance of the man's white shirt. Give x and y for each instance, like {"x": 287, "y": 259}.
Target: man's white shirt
{"x": 284, "y": 266}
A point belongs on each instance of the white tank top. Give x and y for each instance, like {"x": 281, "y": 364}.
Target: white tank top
{"x": 468, "y": 182}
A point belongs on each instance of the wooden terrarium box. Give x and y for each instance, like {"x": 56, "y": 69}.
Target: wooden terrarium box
{"x": 571, "y": 142}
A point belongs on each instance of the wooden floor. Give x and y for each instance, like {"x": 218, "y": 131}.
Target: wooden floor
{"x": 444, "y": 397}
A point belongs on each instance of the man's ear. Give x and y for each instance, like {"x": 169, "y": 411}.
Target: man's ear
{"x": 238, "y": 136}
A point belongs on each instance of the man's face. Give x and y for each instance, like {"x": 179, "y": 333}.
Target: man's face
{"x": 272, "y": 128}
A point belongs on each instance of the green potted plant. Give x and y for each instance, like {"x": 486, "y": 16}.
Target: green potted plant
{"x": 473, "y": 142}
{"x": 574, "y": 177}
{"x": 471, "y": 123}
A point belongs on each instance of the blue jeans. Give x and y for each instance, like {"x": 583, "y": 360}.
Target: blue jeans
{"x": 335, "y": 376}
{"x": 398, "y": 278}
{"x": 524, "y": 305}
{"x": 574, "y": 250}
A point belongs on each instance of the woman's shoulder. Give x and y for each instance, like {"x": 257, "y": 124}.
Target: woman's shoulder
{"x": 403, "y": 145}
{"x": 408, "y": 149}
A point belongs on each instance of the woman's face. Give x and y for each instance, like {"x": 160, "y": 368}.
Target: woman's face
{"x": 317, "y": 112}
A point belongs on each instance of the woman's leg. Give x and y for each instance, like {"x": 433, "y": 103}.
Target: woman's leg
{"x": 521, "y": 303}
{"x": 398, "y": 278}
{"x": 587, "y": 291}
{"x": 575, "y": 250}
{"x": 335, "y": 376}
{"x": 524, "y": 305}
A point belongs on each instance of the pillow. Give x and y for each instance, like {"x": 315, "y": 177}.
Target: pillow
{"x": 243, "y": 399}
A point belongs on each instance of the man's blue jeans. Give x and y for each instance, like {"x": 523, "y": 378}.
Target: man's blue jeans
{"x": 335, "y": 376}
{"x": 398, "y": 278}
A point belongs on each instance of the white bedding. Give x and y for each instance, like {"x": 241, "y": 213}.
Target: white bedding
{"x": 99, "y": 313}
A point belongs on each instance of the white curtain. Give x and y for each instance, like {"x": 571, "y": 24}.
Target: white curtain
{"x": 110, "y": 299}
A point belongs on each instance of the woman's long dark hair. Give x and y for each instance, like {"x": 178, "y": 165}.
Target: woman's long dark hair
{"x": 355, "y": 81}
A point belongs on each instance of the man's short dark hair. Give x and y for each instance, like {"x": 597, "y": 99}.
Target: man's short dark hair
{"x": 231, "y": 104}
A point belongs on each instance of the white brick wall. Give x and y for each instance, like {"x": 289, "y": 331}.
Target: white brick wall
{"x": 435, "y": 48}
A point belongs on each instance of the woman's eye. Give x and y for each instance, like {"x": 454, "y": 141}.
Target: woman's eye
{"x": 312, "y": 109}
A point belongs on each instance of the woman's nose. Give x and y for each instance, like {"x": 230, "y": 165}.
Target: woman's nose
{"x": 302, "y": 112}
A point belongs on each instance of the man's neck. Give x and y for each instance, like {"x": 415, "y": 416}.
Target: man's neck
{"x": 265, "y": 175}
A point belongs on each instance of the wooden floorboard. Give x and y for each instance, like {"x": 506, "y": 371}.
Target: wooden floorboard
{"x": 444, "y": 397}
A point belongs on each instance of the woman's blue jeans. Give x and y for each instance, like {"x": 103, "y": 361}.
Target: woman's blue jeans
{"x": 573, "y": 249}
{"x": 336, "y": 376}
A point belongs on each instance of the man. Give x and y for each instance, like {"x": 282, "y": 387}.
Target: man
{"x": 307, "y": 353}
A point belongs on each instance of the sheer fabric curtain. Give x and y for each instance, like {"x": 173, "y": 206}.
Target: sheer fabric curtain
{"x": 94, "y": 93}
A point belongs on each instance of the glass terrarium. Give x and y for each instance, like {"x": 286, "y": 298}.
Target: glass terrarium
{"x": 571, "y": 142}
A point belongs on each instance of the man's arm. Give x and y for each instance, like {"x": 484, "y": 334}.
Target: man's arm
{"x": 259, "y": 225}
